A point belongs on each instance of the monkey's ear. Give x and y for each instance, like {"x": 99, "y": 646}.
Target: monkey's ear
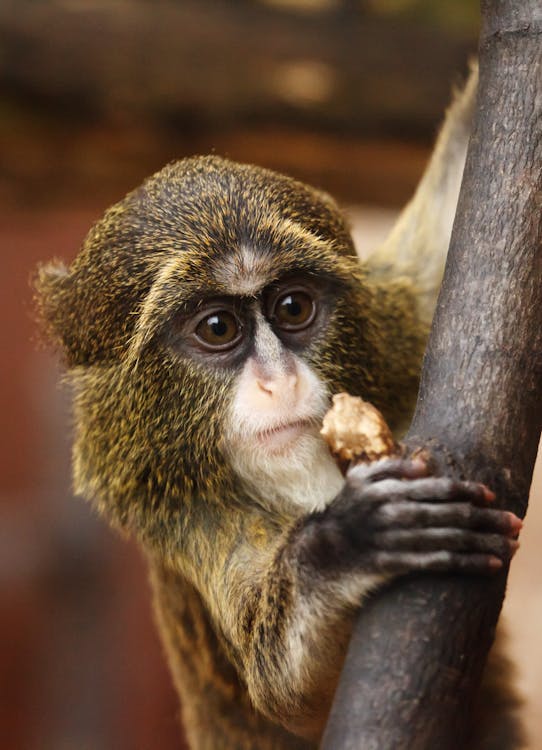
{"x": 53, "y": 296}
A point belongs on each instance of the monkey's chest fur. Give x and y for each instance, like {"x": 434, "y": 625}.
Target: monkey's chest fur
{"x": 217, "y": 711}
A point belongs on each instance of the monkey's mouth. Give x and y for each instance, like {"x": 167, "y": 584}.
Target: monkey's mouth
{"x": 276, "y": 439}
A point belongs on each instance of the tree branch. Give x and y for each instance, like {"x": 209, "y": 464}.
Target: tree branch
{"x": 418, "y": 650}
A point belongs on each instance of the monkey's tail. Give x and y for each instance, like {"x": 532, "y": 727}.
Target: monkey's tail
{"x": 417, "y": 245}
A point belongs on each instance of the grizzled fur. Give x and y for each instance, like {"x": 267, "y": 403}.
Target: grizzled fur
{"x": 135, "y": 453}
{"x": 148, "y": 423}
{"x": 149, "y": 448}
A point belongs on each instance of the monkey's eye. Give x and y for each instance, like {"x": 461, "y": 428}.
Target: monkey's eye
{"x": 219, "y": 330}
{"x": 293, "y": 311}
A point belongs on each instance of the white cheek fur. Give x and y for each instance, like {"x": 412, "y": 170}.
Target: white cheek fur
{"x": 302, "y": 474}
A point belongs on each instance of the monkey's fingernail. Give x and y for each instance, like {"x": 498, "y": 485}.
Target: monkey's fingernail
{"x": 489, "y": 495}
{"x": 495, "y": 563}
{"x": 516, "y": 524}
{"x": 419, "y": 465}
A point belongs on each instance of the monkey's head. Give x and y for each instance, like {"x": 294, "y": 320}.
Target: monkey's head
{"x": 205, "y": 323}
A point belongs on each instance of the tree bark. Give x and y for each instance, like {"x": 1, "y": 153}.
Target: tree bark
{"x": 419, "y": 648}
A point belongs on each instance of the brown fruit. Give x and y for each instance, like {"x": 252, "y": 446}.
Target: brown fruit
{"x": 356, "y": 431}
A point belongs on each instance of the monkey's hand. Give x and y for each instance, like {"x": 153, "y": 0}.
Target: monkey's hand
{"x": 391, "y": 518}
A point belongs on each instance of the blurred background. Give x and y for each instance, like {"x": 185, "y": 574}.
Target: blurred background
{"x": 94, "y": 96}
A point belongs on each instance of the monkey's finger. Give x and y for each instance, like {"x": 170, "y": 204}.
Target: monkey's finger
{"x": 444, "y": 562}
{"x": 446, "y": 540}
{"x": 429, "y": 490}
{"x": 389, "y": 468}
{"x": 410, "y": 514}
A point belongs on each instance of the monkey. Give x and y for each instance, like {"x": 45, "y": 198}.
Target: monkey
{"x": 204, "y": 325}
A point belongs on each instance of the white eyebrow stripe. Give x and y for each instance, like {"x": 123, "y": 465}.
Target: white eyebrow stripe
{"x": 149, "y": 311}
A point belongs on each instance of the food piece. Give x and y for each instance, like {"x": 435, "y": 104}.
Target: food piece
{"x": 356, "y": 431}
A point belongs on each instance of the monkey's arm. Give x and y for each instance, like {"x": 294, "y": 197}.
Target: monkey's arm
{"x": 285, "y": 612}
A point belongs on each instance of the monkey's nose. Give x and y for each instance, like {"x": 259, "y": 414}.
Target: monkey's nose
{"x": 267, "y": 386}
{"x": 277, "y": 386}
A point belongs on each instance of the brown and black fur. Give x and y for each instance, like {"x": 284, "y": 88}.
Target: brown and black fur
{"x": 148, "y": 445}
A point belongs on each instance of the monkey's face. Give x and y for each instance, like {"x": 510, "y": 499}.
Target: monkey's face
{"x": 206, "y": 322}
{"x": 264, "y": 337}
{"x": 263, "y": 315}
